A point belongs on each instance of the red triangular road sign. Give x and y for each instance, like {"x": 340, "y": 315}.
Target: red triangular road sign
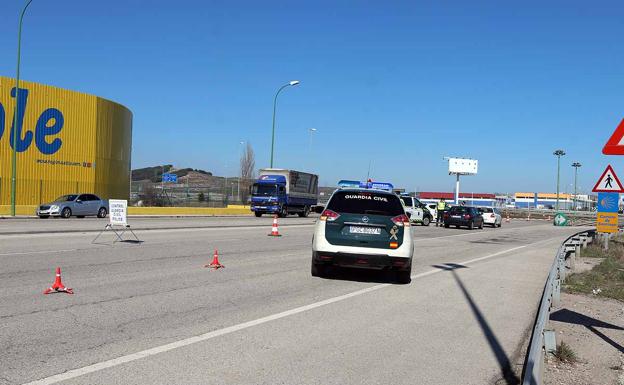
{"x": 613, "y": 146}
{"x": 608, "y": 182}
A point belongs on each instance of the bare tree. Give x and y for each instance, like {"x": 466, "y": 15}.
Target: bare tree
{"x": 247, "y": 171}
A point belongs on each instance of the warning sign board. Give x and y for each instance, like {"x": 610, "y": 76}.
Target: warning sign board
{"x": 607, "y": 222}
{"x": 613, "y": 146}
{"x": 608, "y": 182}
{"x": 118, "y": 212}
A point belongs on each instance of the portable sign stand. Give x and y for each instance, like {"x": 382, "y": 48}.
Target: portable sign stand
{"x": 608, "y": 189}
{"x": 118, "y": 216}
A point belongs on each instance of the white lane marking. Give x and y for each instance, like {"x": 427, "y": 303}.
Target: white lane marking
{"x": 73, "y": 233}
{"x": 231, "y": 329}
{"x": 37, "y": 252}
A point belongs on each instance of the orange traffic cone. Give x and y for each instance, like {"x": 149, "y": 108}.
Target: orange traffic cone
{"x": 274, "y": 230}
{"x": 58, "y": 286}
{"x": 215, "y": 264}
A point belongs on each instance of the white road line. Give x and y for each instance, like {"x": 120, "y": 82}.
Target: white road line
{"x": 37, "y": 252}
{"x": 245, "y": 325}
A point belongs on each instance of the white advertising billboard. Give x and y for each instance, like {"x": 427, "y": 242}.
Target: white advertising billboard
{"x": 463, "y": 166}
{"x": 118, "y": 210}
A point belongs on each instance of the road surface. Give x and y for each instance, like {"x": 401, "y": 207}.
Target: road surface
{"x": 150, "y": 313}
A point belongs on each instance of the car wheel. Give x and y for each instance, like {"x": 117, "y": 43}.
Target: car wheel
{"x": 481, "y": 226}
{"x": 318, "y": 270}
{"x": 426, "y": 221}
{"x": 404, "y": 276}
{"x": 500, "y": 224}
{"x": 44, "y": 216}
{"x": 102, "y": 212}
{"x": 471, "y": 225}
{"x": 446, "y": 226}
{"x": 258, "y": 214}
{"x": 66, "y": 213}
{"x": 283, "y": 212}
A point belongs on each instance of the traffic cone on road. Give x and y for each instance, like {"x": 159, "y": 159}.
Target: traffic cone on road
{"x": 58, "y": 286}
{"x": 274, "y": 230}
{"x": 215, "y": 264}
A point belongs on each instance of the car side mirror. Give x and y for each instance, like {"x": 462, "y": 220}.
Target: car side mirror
{"x": 78, "y": 201}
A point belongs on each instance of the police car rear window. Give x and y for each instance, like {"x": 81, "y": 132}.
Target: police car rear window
{"x": 365, "y": 202}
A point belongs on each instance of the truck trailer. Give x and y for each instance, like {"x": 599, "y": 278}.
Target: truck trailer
{"x": 284, "y": 192}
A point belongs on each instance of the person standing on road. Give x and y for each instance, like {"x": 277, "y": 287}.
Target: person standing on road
{"x": 441, "y": 206}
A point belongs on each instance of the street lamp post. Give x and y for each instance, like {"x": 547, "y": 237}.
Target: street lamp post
{"x": 311, "y": 131}
{"x": 558, "y": 154}
{"x": 576, "y": 166}
{"x": 290, "y": 83}
{"x": 240, "y": 175}
{"x": 16, "y": 109}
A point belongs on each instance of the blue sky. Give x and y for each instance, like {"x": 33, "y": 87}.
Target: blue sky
{"x": 397, "y": 84}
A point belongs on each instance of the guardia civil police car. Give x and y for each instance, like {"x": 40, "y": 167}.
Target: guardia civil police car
{"x": 364, "y": 225}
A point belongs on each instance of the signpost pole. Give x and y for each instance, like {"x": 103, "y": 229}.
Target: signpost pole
{"x": 457, "y": 190}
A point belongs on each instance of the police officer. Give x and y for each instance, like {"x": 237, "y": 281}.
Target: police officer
{"x": 441, "y": 206}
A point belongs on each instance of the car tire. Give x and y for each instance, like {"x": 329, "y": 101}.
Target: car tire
{"x": 283, "y": 213}
{"x": 44, "y": 216}
{"x": 426, "y": 221}
{"x": 318, "y": 270}
{"x": 481, "y": 226}
{"x": 257, "y": 214}
{"x": 404, "y": 276}
{"x": 500, "y": 224}
{"x": 102, "y": 212}
{"x": 66, "y": 213}
{"x": 471, "y": 225}
{"x": 446, "y": 226}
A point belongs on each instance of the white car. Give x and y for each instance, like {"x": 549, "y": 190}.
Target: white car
{"x": 416, "y": 210}
{"x": 363, "y": 228}
{"x": 491, "y": 216}
{"x": 433, "y": 209}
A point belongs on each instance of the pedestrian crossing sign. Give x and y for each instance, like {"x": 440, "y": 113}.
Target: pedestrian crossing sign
{"x": 609, "y": 182}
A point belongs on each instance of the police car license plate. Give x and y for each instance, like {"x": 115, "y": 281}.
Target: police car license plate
{"x": 364, "y": 230}
{"x": 456, "y": 216}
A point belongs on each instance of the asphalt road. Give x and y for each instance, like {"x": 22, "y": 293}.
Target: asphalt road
{"x": 150, "y": 313}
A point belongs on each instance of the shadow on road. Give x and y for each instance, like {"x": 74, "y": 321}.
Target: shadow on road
{"x": 360, "y": 275}
{"x": 502, "y": 358}
{"x": 572, "y": 317}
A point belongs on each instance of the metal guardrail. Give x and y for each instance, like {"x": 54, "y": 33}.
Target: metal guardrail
{"x": 542, "y": 340}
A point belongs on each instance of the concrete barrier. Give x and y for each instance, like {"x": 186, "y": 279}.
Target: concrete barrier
{"x": 28, "y": 210}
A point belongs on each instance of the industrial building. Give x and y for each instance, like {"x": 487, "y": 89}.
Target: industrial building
{"x": 67, "y": 142}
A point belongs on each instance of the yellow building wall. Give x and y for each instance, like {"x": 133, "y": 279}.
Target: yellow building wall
{"x": 70, "y": 142}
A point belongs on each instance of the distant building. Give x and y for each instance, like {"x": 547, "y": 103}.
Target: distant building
{"x": 472, "y": 199}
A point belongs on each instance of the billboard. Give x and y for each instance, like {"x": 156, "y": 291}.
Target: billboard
{"x": 463, "y": 166}
{"x": 67, "y": 142}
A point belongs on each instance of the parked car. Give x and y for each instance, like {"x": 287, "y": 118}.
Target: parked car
{"x": 79, "y": 205}
{"x": 363, "y": 228}
{"x": 416, "y": 210}
{"x": 463, "y": 216}
{"x": 491, "y": 216}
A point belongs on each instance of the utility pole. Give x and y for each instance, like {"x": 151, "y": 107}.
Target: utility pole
{"x": 558, "y": 154}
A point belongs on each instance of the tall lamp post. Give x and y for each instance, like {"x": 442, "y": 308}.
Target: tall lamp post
{"x": 311, "y": 131}
{"x": 289, "y": 84}
{"x": 16, "y": 109}
{"x": 576, "y": 166}
{"x": 558, "y": 154}
{"x": 240, "y": 175}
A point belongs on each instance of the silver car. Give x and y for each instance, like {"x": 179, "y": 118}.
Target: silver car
{"x": 79, "y": 205}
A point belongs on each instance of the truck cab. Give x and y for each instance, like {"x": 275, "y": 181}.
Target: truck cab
{"x": 268, "y": 195}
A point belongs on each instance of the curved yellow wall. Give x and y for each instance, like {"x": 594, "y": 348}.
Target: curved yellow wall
{"x": 69, "y": 142}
